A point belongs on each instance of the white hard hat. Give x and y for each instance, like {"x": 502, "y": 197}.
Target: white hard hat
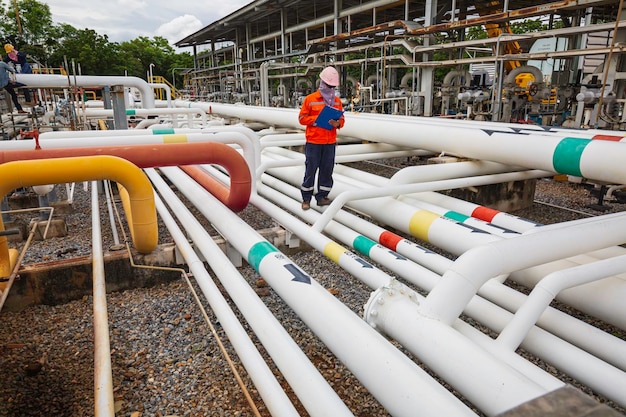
{"x": 330, "y": 76}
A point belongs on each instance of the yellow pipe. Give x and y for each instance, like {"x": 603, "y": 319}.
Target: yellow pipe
{"x": 7, "y": 267}
{"x": 87, "y": 168}
{"x": 125, "y": 197}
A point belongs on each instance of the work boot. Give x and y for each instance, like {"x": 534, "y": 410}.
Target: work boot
{"x": 324, "y": 202}
{"x": 306, "y": 205}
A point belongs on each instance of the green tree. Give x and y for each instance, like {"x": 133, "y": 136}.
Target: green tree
{"x": 53, "y": 44}
{"x": 29, "y": 28}
{"x": 139, "y": 53}
{"x": 92, "y": 53}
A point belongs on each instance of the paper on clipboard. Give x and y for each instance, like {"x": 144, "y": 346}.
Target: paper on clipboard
{"x": 326, "y": 115}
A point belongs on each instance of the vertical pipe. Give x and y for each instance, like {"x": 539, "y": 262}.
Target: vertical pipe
{"x": 107, "y": 192}
{"x": 103, "y": 379}
{"x": 6, "y": 217}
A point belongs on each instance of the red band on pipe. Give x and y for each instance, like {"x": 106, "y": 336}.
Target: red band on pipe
{"x": 608, "y": 137}
{"x": 484, "y": 213}
{"x": 389, "y": 240}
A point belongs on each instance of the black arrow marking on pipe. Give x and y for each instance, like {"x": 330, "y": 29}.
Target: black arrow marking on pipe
{"x": 397, "y": 255}
{"x": 472, "y": 228}
{"x": 504, "y": 229}
{"x": 298, "y": 275}
{"x": 490, "y": 132}
{"x": 363, "y": 263}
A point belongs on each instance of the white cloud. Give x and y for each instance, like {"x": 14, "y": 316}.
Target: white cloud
{"x": 131, "y": 5}
{"x": 179, "y": 27}
{"x": 124, "y": 20}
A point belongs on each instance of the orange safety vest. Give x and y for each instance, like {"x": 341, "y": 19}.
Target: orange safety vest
{"x": 311, "y": 108}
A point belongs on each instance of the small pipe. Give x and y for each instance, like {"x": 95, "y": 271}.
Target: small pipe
{"x": 4, "y": 293}
{"x": 546, "y": 290}
{"x": 347, "y": 196}
{"x": 448, "y": 299}
{"x": 104, "y": 402}
{"x": 108, "y": 192}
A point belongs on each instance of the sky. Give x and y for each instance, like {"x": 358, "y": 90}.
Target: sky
{"x": 124, "y": 20}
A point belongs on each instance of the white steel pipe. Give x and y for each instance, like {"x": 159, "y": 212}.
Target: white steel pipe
{"x": 581, "y": 334}
{"x": 592, "y": 159}
{"x": 299, "y": 372}
{"x": 104, "y": 402}
{"x": 168, "y": 92}
{"x": 491, "y": 385}
{"x": 349, "y": 196}
{"x": 404, "y": 247}
{"x": 431, "y": 228}
{"x": 513, "y": 388}
{"x": 264, "y": 380}
{"x": 396, "y": 381}
{"x": 410, "y": 271}
{"x": 159, "y": 112}
{"x": 472, "y": 269}
{"x": 547, "y": 289}
{"x": 63, "y": 81}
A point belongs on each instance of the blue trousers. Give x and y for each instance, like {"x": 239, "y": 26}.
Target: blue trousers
{"x": 320, "y": 160}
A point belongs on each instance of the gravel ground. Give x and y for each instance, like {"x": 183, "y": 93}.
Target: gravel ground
{"x": 166, "y": 361}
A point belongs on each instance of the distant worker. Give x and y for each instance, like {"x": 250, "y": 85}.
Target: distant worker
{"x": 319, "y": 150}
{"x": 16, "y": 58}
{"x": 8, "y": 84}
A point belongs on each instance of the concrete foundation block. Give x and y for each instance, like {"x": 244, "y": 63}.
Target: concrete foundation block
{"x": 62, "y": 207}
{"x": 564, "y": 402}
{"x": 57, "y": 228}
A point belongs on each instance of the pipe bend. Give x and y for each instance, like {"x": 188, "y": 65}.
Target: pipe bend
{"x": 78, "y": 169}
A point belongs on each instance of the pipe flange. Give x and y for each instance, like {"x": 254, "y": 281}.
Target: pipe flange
{"x": 382, "y": 297}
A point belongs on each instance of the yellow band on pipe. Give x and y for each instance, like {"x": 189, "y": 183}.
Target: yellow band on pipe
{"x": 87, "y": 168}
{"x": 420, "y": 223}
{"x": 175, "y": 138}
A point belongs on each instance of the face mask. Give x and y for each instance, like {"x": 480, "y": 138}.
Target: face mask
{"x": 328, "y": 93}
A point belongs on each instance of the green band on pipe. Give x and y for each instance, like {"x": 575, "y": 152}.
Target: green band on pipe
{"x": 363, "y": 245}
{"x": 130, "y": 112}
{"x": 258, "y": 252}
{"x": 163, "y": 131}
{"x": 453, "y": 215}
{"x": 566, "y": 158}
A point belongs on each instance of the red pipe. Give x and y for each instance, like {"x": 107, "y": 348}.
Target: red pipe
{"x": 167, "y": 154}
{"x": 213, "y": 186}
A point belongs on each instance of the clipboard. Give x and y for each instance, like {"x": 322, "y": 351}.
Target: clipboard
{"x": 327, "y": 114}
